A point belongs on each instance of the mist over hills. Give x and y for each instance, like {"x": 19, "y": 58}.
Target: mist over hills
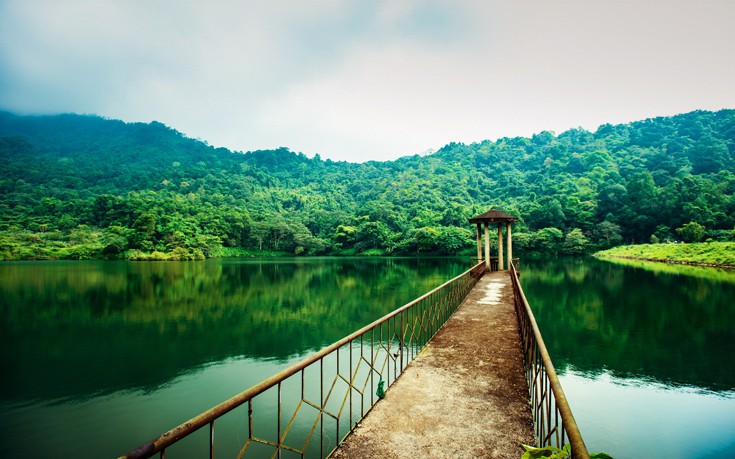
{"x": 75, "y": 186}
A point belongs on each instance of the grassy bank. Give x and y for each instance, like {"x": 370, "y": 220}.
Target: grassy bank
{"x": 703, "y": 253}
{"x": 720, "y": 274}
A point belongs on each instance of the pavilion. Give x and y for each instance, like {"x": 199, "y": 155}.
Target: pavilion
{"x": 494, "y": 216}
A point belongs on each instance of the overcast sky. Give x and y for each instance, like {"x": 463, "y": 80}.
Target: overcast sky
{"x": 362, "y": 80}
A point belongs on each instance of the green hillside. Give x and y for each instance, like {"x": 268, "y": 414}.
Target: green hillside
{"x": 86, "y": 187}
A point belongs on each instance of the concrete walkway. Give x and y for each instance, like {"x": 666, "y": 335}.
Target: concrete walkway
{"x": 464, "y": 396}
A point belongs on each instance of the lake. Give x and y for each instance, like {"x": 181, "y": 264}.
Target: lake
{"x": 643, "y": 351}
{"x": 99, "y": 357}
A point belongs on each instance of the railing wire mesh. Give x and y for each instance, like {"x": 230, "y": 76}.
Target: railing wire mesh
{"x": 318, "y": 401}
{"x": 554, "y": 424}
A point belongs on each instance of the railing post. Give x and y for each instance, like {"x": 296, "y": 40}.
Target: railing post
{"x": 278, "y": 450}
{"x": 323, "y": 407}
{"x": 400, "y": 340}
{"x": 211, "y": 439}
{"x": 349, "y": 386}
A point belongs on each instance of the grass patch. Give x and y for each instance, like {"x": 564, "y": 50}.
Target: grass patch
{"x": 708, "y": 253}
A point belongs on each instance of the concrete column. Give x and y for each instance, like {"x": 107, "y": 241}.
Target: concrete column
{"x": 487, "y": 247}
{"x": 510, "y": 245}
{"x": 500, "y": 246}
{"x": 479, "y": 242}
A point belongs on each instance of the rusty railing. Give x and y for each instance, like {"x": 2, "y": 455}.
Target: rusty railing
{"x": 308, "y": 409}
{"x": 554, "y": 424}
{"x": 517, "y": 265}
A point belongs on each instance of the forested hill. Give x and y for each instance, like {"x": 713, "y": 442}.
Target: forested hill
{"x": 86, "y": 187}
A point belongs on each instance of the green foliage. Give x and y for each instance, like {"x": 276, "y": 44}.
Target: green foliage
{"x": 691, "y": 232}
{"x": 158, "y": 194}
{"x": 553, "y": 452}
{"x": 381, "y": 391}
{"x": 576, "y": 243}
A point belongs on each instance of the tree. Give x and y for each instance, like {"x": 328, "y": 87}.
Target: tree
{"x": 662, "y": 233}
{"x": 116, "y": 241}
{"x": 278, "y": 230}
{"x": 300, "y": 239}
{"x": 691, "y": 232}
{"x": 144, "y": 233}
{"x": 372, "y": 235}
{"x": 546, "y": 213}
{"x": 423, "y": 240}
{"x": 345, "y": 235}
{"x": 576, "y": 243}
{"x": 258, "y": 233}
{"x": 611, "y": 200}
{"x": 608, "y": 234}
{"x": 548, "y": 240}
{"x": 452, "y": 240}
{"x": 708, "y": 156}
{"x": 455, "y": 215}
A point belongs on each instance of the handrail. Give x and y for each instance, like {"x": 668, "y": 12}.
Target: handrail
{"x": 416, "y": 329}
{"x": 541, "y": 375}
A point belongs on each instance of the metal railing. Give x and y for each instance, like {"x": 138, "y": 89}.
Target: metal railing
{"x": 308, "y": 409}
{"x": 517, "y": 265}
{"x": 554, "y": 424}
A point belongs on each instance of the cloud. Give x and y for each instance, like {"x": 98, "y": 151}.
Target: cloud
{"x": 365, "y": 80}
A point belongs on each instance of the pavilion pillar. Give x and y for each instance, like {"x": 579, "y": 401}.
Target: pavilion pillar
{"x": 500, "y": 246}
{"x": 495, "y": 216}
{"x": 479, "y": 242}
{"x": 510, "y": 244}
{"x": 487, "y": 246}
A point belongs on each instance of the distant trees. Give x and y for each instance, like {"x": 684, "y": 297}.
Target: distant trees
{"x": 158, "y": 192}
{"x": 708, "y": 155}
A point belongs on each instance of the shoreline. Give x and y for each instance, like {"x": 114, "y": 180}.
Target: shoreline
{"x": 249, "y": 256}
{"x": 667, "y": 261}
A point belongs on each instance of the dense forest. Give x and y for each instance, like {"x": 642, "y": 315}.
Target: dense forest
{"x": 75, "y": 187}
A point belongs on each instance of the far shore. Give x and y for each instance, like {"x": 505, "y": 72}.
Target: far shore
{"x": 707, "y": 254}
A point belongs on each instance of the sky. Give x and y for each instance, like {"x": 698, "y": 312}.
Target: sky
{"x": 371, "y": 79}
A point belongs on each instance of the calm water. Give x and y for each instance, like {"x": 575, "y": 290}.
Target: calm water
{"x": 644, "y": 353}
{"x": 98, "y": 357}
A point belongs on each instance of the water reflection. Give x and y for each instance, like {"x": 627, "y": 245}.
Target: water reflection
{"x": 638, "y": 418}
{"x": 634, "y": 322}
{"x": 81, "y": 329}
{"x": 642, "y": 353}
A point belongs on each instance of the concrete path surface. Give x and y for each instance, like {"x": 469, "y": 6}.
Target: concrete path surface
{"x": 463, "y": 396}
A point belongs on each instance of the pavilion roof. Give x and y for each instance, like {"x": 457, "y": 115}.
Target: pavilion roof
{"x": 493, "y": 216}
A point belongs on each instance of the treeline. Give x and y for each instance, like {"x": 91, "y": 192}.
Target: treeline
{"x": 86, "y": 187}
